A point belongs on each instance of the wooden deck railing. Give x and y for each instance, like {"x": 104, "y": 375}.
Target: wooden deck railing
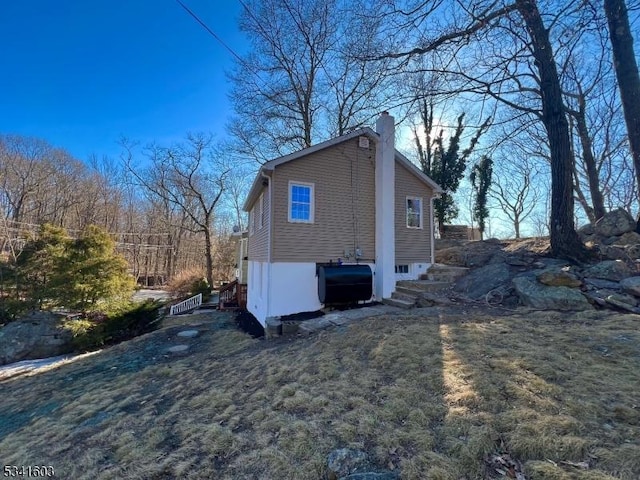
{"x": 242, "y": 296}
{"x": 233, "y": 295}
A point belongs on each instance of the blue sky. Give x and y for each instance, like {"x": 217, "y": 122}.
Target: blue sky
{"x": 81, "y": 74}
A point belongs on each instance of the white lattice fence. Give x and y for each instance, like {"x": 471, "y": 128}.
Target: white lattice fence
{"x": 186, "y": 305}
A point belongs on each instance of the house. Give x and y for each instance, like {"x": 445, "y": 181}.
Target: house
{"x": 352, "y": 200}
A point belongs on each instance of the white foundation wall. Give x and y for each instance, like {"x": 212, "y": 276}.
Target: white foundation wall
{"x": 415, "y": 270}
{"x": 258, "y": 281}
{"x": 287, "y": 288}
{"x": 293, "y": 289}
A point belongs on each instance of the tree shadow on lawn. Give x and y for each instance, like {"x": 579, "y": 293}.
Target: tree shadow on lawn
{"x": 424, "y": 396}
{"x": 559, "y": 391}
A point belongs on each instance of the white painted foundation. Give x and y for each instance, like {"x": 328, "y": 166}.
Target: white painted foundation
{"x": 287, "y": 288}
{"x": 415, "y": 270}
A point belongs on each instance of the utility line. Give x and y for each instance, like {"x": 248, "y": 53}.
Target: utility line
{"x": 211, "y": 32}
{"x": 248, "y": 66}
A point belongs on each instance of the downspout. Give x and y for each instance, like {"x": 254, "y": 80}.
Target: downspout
{"x": 268, "y": 289}
{"x": 432, "y": 238}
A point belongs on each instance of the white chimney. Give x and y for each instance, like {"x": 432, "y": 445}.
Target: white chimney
{"x": 385, "y": 207}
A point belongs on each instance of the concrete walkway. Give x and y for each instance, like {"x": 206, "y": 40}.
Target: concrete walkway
{"x": 337, "y": 318}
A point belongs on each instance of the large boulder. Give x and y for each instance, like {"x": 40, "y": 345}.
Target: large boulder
{"x": 615, "y": 223}
{"x": 37, "y": 335}
{"x": 613, "y": 252}
{"x": 471, "y": 254}
{"x": 631, "y": 285}
{"x": 614, "y": 270}
{"x": 625, "y": 302}
{"x": 559, "y": 277}
{"x": 346, "y": 461}
{"x": 536, "y": 295}
{"x": 481, "y": 281}
{"x": 629, "y": 238}
{"x": 586, "y": 230}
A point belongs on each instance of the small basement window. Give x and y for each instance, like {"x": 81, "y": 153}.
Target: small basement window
{"x": 402, "y": 268}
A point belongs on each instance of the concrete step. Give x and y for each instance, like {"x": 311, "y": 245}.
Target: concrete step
{"x": 407, "y": 297}
{"x": 441, "y": 277}
{"x": 444, "y": 273}
{"x": 413, "y": 292}
{"x": 396, "y": 302}
{"x": 424, "y": 285}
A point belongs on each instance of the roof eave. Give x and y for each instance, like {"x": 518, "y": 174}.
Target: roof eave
{"x": 256, "y": 187}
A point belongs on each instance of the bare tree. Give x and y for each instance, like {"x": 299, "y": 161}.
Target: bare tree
{"x": 190, "y": 175}
{"x": 626, "y": 69}
{"x": 515, "y": 190}
{"x": 275, "y": 86}
{"x": 305, "y": 78}
{"x": 21, "y": 173}
{"x": 526, "y": 79}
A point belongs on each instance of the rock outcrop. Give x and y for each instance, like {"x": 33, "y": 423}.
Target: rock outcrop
{"x": 37, "y": 335}
{"x": 536, "y": 295}
{"x": 612, "y": 270}
{"x": 614, "y": 223}
{"x": 349, "y": 464}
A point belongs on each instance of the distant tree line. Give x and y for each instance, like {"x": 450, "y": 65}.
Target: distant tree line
{"x": 155, "y": 202}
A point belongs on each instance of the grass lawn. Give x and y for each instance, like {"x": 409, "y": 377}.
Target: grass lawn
{"x": 433, "y": 396}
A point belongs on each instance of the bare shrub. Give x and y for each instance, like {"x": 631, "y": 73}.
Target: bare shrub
{"x": 189, "y": 282}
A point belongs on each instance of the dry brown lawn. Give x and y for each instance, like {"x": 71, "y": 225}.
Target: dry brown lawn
{"x": 429, "y": 395}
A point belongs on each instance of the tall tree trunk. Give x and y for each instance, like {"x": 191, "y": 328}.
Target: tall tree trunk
{"x": 626, "y": 69}
{"x": 565, "y": 241}
{"x": 588, "y": 209}
{"x": 208, "y": 249}
{"x": 597, "y": 199}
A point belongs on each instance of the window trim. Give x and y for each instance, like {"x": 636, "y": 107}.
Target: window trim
{"x": 252, "y": 220}
{"x": 312, "y": 202}
{"x": 421, "y": 212}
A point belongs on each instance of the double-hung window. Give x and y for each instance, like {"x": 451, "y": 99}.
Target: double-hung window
{"x": 301, "y": 202}
{"x": 414, "y": 212}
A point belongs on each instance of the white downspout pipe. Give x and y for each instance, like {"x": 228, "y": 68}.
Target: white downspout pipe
{"x": 269, "y": 247}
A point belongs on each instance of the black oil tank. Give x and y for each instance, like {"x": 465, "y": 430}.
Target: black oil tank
{"x": 344, "y": 283}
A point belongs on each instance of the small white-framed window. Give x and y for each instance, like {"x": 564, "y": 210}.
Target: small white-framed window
{"x": 260, "y": 210}
{"x": 402, "y": 268}
{"x": 252, "y": 220}
{"x": 301, "y": 202}
{"x": 414, "y": 212}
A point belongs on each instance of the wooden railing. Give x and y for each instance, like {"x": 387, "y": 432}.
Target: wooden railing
{"x": 242, "y": 296}
{"x": 233, "y": 295}
{"x": 186, "y": 305}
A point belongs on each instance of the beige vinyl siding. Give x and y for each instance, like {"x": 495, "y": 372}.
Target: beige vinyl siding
{"x": 344, "y": 188}
{"x": 259, "y": 241}
{"x": 412, "y": 244}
